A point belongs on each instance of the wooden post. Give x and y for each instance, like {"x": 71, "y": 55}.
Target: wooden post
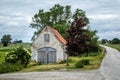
{"x": 67, "y": 62}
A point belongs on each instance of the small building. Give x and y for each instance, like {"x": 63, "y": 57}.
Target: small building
{"x": 49, "y": 46}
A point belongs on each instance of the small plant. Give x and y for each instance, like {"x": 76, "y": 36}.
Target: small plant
{"x": 85, "y": 61}
{"x": 63, "y": 61}
{"x": 79, "y": 64}
{"x": 82, "y": 62}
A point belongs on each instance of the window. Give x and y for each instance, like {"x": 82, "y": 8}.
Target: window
{"x": 46, "y": 37}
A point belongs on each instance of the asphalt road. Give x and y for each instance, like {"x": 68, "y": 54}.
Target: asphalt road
{"x": 57, "y": 75}
{"x": 110, "y": 67}
{"x": 109, "y": 70}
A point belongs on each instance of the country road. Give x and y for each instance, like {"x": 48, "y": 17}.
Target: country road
{"x": 110, "y": 67}
{"x": 109, "y": 70}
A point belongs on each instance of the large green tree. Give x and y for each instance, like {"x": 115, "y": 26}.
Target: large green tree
{"x": 6, "y": 39}
{"x": 58, "y": 17}
{"x": 80, "y": 38}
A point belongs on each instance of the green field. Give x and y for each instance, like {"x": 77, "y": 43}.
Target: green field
{"x": 116, "y": 46}
{"x": 4, "y": 50}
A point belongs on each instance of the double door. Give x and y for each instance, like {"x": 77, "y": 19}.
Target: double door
{"x": 47, "y": 55}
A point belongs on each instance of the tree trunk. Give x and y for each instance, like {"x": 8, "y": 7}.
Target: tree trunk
{"x": 5, "y": 44}
{"x": 67, "y": 62}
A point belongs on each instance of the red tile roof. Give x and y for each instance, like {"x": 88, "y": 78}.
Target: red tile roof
{"x": 59, "y": 36}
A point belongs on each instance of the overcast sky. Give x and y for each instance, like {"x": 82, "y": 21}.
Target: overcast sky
{"x": 15, "y": 16}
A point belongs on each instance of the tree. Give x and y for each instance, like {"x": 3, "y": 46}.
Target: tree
{"x": 17, "y": 41}
{"x": 6, "y": 39}
{"x": 80, "y": 39}
{"x": 58, "y": 17}
{"x": 115, "y": 41}
{"x": 104, "y": 41}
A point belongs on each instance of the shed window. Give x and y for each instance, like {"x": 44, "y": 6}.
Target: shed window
{"x": 46, "y": 37}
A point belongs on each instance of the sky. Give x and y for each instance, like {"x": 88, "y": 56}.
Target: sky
{"x": 16, "y": 15}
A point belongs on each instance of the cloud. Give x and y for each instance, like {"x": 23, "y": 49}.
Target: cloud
{"x": 15, "y": 16}
{"x": 109, "y": 35}
{"x": 104, "y": 16}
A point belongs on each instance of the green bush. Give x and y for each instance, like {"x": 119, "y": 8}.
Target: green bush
{"x": 7, "y": 67}
{"x": 85, "y": 61}
{"x": 82, "y": 62}
{"x": 79, "y": 65}
{"x": 19, "y": 55}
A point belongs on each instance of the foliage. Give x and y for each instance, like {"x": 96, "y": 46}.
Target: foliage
{"x": 6, "y": 39}
{"x": 115, "y": 41}
{"x": 104, "y": 41}
{"x": 80, "y": 39}
{"x": 7, "y": 67}
{"x": 79, "y": 64}
{"x": 19, "y": 55}
{"x": 93, "y": 41}
{"x": 17, "y": 41}
{"x": 2, "y": 57}
{"x": 58, "y": 17}
{"x": 85, "y": 61}
{"x": 10, "y": 47}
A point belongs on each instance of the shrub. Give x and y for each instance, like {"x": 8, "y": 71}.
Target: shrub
{"x": 85, "y": 61}
{"x": 7, "y": 67}
{"x": 19, "y": 55}
{"x": 79, "y": 64}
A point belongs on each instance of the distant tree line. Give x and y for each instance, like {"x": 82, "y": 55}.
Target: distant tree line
{"x": 17, "y": 41}
{"x": 6, "y": 39}
{"x": 113, "y": 41}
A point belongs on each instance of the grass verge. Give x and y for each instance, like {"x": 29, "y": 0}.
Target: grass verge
{"x": 116, "y": 46}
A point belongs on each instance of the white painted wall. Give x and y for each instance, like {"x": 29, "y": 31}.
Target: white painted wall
{"x": 54, "y": 43}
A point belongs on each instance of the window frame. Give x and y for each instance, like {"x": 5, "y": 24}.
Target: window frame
{"x": 46, "y": 37}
